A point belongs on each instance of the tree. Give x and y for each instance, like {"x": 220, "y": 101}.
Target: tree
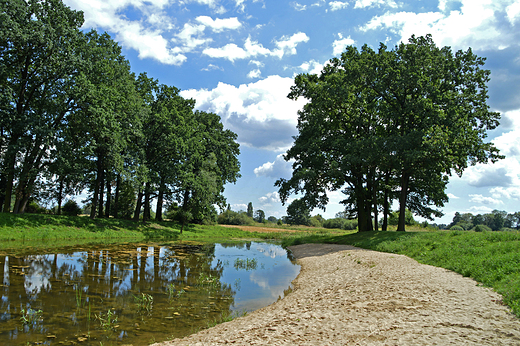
{"x": 38, "y": 64}
{"x": 387, "y": 124}
{"x": 250, "y": 209}
{"x": 259, "y": 216}
{"x": 298, "y": 213}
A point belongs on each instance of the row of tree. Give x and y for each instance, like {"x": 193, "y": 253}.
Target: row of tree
{"x": 495, "y": 221}
{"x": 73, "y": 117}
{"x": 390, "y": 125}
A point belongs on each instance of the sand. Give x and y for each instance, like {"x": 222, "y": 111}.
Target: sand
{"x": 350, "y": 296}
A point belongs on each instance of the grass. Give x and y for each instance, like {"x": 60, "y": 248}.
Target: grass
{"x": 490, "y": 258}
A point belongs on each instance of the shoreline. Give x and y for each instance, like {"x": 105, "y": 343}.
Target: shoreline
{"x": 351, "y": 296}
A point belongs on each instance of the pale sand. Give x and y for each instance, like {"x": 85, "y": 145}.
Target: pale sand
{"x": 349, "y": 296}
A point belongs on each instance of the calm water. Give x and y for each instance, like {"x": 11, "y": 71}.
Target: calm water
{"x": 125, "y": 294}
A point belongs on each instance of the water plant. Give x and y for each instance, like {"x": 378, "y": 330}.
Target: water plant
{"x": 247, "y": 264}
{"x": 209, "y": 280}
{"x": 108, "y": 321}
{"x": 144, "y": 302}
{"x": 30, "y": 316}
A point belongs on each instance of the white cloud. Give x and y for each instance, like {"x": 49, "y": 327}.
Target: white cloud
{"x": 507, "y": 192}
{"x": 480, "y": 210}
{"x": 212, "y": 67}
{"x": 312, "y": 67}
{"x": 488, "y": 175}
{"x": 239, "y": 207}
{"x": 257, "y": 63}
{"x": 190, "y": 37}
{"x": 270, "y": 198}
{"x": 484, "y": 200}
{"x": 279, "y": 168}
{"x": 513, "y": 12}
{"x": 340, "y": 45}
{"x": 232, "y": 52}
{"x": 337, "y": 5}
{"x": 299, "y": 7}
{"x": 287, "y": 45}
{"x": 476, "y": 24}
{"x": 372, "y": 3}
{"x": 260, "y": 112}
{"x": 452, "y": 196}
{"x": 256, "y": 73}
{"x": 219, "y": 25}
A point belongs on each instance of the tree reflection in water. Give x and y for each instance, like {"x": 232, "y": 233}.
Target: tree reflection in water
{"x": 89, "y": 294}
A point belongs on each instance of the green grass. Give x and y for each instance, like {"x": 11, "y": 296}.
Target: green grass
{"x": 491, "y": 258}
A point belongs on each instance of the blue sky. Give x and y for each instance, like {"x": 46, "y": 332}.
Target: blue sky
{"x": 238, "y": 59}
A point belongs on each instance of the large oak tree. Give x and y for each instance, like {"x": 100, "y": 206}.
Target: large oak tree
{"x": 388, "y": 123}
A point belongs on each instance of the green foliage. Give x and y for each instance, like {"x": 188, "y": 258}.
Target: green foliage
{"x": 71, "y": 208}
{"x": 259, "y": 216}
{"x": 250, "y": 209}
{"x": 456, "y": 228}
{"x": 298, "y": 213}
{"x": 34, "y": 208}
{"x": 340, "y": 223}
{"x": 480, "y": 228}
{"x": 144, "y": 302}
{"x": 108, "y": 320}
{"x": 230, "y": 217}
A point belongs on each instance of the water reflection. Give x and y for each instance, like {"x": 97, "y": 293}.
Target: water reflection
{"x": 135, "y": 293}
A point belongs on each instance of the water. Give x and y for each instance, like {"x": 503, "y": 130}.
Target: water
{"x": 124, "y": 294}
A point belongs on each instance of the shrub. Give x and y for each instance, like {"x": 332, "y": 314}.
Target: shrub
{"x": 230, "y": 217}
{"x": 349, "y": 225}
{"x": 34, "y": 208}
{"x": 334, "y": 223}
{"x": 456, "y": 228}
{"x": 314, "y": 222}
{"x": 71, "y": 208}
{"x": 481, "y": 228}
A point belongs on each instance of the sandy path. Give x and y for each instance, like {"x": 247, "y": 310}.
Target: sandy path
{"x": 349, "y": 296}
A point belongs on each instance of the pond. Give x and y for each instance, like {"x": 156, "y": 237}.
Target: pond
{"x": 135, "y": 293}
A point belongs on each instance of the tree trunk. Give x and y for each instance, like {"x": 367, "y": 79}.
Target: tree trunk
{"x": 116, "y": 198}
{"x": 60, "y": 195}
{"x": 386, "y": 204}
{"x": 146, "y": 211}
{"x": 405, "y": 179}
{"x": 11, "y": 161}
{"x": 101, "y": 192}
{"x": 374, "y": 200}
{"x": 160, "y": 201}
{"x": 185, "y": 208}
{"x": 109, "y": 198}
{"x": 138, "y": 205}
{"x": 96, "y": 189}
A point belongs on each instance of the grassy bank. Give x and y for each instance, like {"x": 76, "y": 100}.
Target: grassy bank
{"x": 491, "y": 258}
{"x": 33, "y": 230}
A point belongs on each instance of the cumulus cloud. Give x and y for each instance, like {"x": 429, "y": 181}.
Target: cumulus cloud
{"x": 452, "y": 196}
{"x": 337, "y": 5}
{"x": 270, "y": 198}
{"x": 484, "y": 200}
{"x": 312, "y": 67}
{"x": 254, "y": 74}
{"x": 487, "y": 176}
{"x": 149, "y": 42}
{"x": 285, "y": 46}
{"x": 219, "y": 25}
{"x": 260, "y": 112}
{"x": 373, "y": 3}
{"x": 298, "y": 7}
{"x": 340, "y": 45}
{"x": 477, "y": 24}
{"x": 512, "y": 192}
{"x": 279, "y": 168}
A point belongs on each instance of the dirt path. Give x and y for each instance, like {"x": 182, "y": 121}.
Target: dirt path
{"x": 349, "y": 296}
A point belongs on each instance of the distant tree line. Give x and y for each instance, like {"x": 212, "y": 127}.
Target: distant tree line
{"x": 73, "y": 117}
{"x": 497, "y": 220}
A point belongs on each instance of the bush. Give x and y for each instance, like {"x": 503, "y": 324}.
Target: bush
{"x": 334, "y": 223}
{"x": 71, "y": 208}
{"x": 481, "y": 228}
{"x": 34, "y": 208}
{"x": 315, "y": 222}
{"x": 350, "y": 225}
{"x": 456, "y": 228}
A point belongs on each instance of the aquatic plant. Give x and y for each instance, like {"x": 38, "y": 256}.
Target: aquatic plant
{"x": 247, "y": 264}
{"x": 108, "y": 320}
{"x": 144, "y": 302}
{"x": 30, "y": 316}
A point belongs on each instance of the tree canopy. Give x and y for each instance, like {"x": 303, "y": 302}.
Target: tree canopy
{"x": 390, "y": 124}
{"x": 74, "y": 117}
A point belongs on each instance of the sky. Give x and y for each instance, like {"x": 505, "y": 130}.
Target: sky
{"x": 238, "y": 59}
